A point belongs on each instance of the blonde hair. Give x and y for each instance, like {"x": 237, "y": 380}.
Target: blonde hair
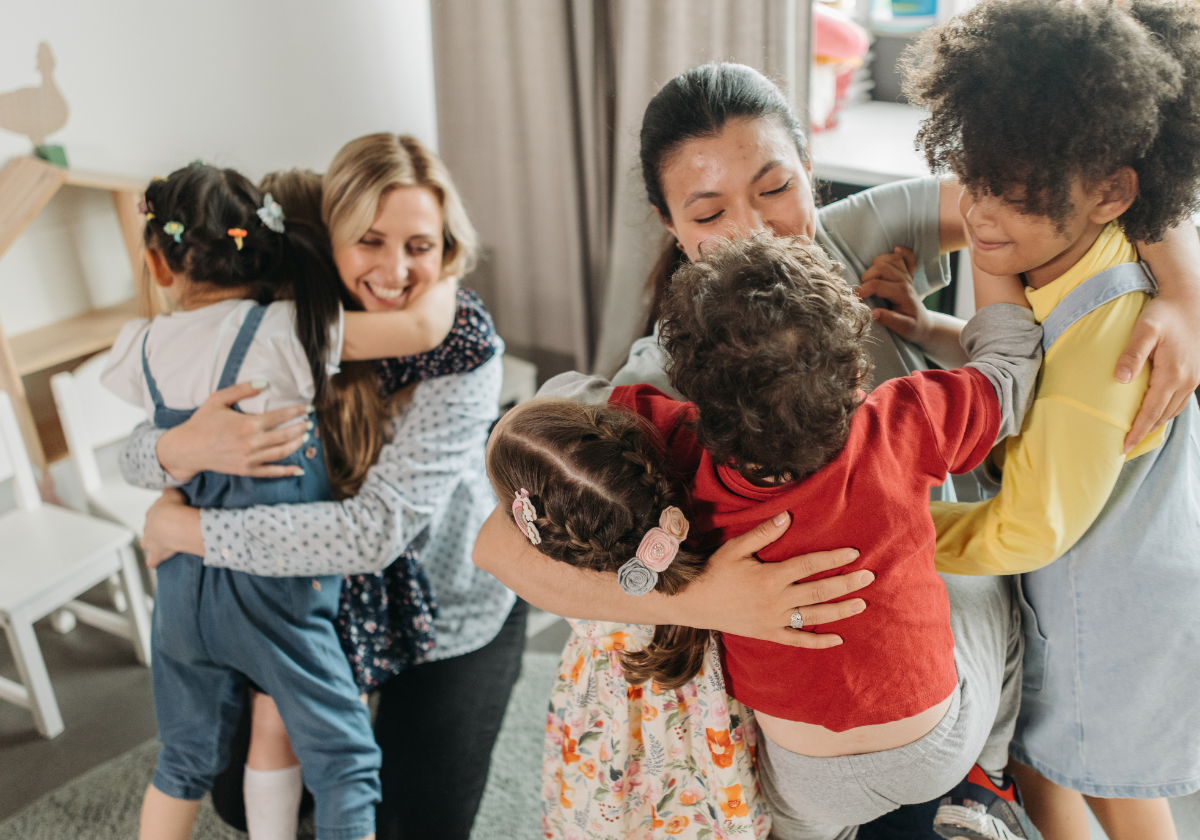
{"x": 366, "y": 169}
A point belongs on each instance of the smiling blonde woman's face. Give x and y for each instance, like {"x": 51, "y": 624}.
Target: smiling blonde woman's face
{"x": 400, "y": 255}
{"x": 746, "y": 179}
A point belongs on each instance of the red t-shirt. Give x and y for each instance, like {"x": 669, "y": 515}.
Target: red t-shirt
{"x": 897, "y": 659}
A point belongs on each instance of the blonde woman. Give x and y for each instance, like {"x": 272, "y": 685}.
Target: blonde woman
{"x": 414, "y": 481}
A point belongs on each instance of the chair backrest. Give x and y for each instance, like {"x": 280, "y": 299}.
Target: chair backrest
{"x": 91, "y": 415}
{"x": 14, "y": 460}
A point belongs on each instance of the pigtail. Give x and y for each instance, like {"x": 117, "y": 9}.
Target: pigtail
{"x": 307, "y": 264}
{"x": 597, "y": 481}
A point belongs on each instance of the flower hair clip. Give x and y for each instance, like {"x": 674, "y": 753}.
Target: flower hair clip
{"x": 525, "y": 513}
{"x": 656, "y": 552}
{"x": 143, "y": 207}
{"x": 271, "y": 213}
{"x": 238, "y": 235}
{"x": 173, "y": 230}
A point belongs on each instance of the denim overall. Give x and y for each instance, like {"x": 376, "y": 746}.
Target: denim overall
{"x": 1111, "y": 696}
{"x": 215, "y": 629}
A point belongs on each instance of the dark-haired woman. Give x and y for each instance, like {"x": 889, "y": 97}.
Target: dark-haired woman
{"x": 723, "y": 155}
{"x": 416, "y": 478}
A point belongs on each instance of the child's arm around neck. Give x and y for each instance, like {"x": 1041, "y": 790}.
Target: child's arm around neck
{"x": 418, "y": 328}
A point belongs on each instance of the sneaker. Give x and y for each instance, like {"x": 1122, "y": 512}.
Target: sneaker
{"x": 978, "y": 810}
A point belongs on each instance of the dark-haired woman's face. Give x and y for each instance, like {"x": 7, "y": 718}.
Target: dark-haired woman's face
{"x": 746, "y": 179}
{"x": 400, "y": 255}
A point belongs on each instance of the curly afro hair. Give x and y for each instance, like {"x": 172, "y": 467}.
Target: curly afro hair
{"x": 1025, "y": 96}
{"x": 769, "y": 343}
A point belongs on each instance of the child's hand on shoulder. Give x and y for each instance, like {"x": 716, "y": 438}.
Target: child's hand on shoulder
{"x": 890, "y": 278}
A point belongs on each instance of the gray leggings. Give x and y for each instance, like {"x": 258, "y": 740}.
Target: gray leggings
{"x": 828, "y": 798}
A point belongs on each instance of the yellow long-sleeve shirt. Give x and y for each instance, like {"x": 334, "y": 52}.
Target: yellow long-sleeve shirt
{"x": 1061, "y": 469}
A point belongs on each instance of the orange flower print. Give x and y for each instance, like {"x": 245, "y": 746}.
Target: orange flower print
{"x": 588, "y": 768}
{"x": 576, "y": 670}
{"x": 649, "y": 712}
{"x": 633, "y": 692}
{"x": 731, "y": 802}
{"x": 676, "y": 824}
{"x": 568, "y": 747}
{"x": 615, "y": 641}
{"x": 566, "y": 792}
{"x": 718, "y": 745}
{"x": 605, "y": 755}
{"x": 655, "y": 822}
{"x": 690, "y": 796}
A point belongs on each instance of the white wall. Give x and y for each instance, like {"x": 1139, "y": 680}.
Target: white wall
{"x": 153, "y": 84}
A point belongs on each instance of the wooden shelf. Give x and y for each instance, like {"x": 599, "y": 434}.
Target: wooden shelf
{"x": 71, "y": 338}
{"x": 102, "y": 181}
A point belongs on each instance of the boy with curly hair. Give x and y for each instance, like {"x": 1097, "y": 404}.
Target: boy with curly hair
{"x": 1074, "y": 128}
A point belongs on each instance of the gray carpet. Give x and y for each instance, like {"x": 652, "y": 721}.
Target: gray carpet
{"x": 104, "y": 803}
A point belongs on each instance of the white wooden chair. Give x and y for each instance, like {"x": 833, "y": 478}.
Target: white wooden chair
{"x": 93, "y": 417}
{"x": 50, "y": 556}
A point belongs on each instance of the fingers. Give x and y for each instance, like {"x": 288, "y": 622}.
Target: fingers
{"x": 910, "y": 258}
{"x": 1151, "y": 415}
{"x": 827, "y": 589}
{"x": 826, "y": 613}
{"x": 803, "y": 566}
{"x": 758, "y": 538}
{"x": 235, "y": 393}
{"x": 287, "y": 439}
{"x": 1141, "y": 344}
{"x": 265, "y": 459}
{"x": 276, "y": 418}
{"x": 902, "y": 325}
{"x": 805, "y": 639}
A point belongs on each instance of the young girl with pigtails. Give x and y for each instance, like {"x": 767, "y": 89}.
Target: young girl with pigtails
{"x": 223, "y": 254}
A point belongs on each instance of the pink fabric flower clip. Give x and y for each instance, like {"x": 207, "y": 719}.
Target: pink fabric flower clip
{"x": 524, "y": 514}
{"x": 660, "y": 545}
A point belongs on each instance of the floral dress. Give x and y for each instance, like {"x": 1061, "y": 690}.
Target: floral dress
{"x": 626, "y": 762}
{"x": 385, "y": 620}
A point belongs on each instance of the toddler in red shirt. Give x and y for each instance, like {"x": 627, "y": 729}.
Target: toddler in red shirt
{"x": 767, "y": 341}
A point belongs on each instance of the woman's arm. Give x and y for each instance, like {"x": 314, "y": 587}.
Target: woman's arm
{"x": 418, "y": 328}
{"x": 439, "y": 436}
{"x": 736, "y": 593}
{"x": 1165, "y": 333}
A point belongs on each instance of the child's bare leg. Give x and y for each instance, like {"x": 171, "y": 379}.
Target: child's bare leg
{"x": 273, "y": 783}
{"x": 165, "y": 817}
{"x": 1058, "y": 813}
{"x": 1134, "y": 819}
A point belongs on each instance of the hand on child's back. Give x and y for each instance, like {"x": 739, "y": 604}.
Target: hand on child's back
{"x": 890, "y": 278}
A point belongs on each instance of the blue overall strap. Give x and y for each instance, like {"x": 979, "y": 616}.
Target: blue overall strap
{"x": 1093, "y": 293}
{"x": 150, "y": 383}
{"x": 241, "y": 344}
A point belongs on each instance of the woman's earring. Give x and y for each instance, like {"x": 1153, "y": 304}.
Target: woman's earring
{"x": 678, "y": 244}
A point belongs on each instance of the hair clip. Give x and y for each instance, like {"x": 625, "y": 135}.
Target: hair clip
{"x": 238, "y": 235}
{"x": 271, "y": 213}
{"x": 635, "y": 578}
{"x": 524, "y": 513}
{"x": 660, "y": 545}
{"x": 144, "y": 206}
{"x": 173, "y": 230}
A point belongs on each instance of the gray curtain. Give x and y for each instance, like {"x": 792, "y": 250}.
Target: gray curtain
{"x": 539, "y": 107}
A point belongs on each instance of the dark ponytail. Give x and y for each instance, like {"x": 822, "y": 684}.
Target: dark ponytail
{"x": 190, "y": 216}
{"x": 699, "y": 103}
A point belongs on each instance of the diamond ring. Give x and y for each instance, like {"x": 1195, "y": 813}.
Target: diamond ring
{"x": 797, "y": 621}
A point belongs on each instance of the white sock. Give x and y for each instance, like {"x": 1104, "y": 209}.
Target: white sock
{"x": 273, "y": 802}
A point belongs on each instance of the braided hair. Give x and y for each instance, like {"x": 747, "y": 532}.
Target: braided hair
{"x": 191, "y": 216}
{"x": 598, "y": 481}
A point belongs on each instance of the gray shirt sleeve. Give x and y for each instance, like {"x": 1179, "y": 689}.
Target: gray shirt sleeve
{"x": 645, "y": 366}
{"x": 139, "y": 459}
{"x": 858, "y": 229}
{"x": 578, "y": 387}
{"x": 1005, "y": 345}
{"x": 438, "y": 436}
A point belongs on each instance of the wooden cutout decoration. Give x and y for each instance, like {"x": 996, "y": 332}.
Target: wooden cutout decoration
{"x": 36, "y": 112}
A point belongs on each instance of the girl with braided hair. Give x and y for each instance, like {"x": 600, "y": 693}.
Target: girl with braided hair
{"x": 601, "y": 488}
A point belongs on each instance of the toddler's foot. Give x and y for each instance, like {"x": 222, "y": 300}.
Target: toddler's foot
{"x": 978, "y": 810}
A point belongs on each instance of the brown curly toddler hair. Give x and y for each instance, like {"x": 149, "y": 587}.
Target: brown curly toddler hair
{"x": 1025, "y": 96}
{"x": 768, "y": 341}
